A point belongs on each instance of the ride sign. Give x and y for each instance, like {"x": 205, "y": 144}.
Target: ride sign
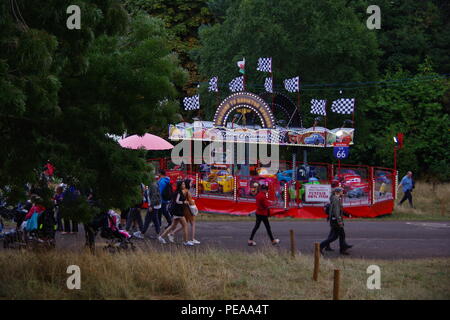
{"x": 340, "y": 150}
{"x": 317, "y": 192}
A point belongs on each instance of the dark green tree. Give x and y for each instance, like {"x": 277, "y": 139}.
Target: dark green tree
{"x": 319, "y": 41}
{"x": 64, "y": 90}
{"x": 182, "y": 18}
{"x": 417, "y": 109}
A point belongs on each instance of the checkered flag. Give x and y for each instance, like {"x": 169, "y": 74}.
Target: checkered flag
{"x": 318, "y": 107}
{"x": 213, "y": 85}
{"x": 292, "y": 85}
{"x": 268, "y": 85}
{"x": 237, "y": 84}
{"x": 192, "y": 103}
{"x": 264, "y": 65}
{"x": 343, "y": 106}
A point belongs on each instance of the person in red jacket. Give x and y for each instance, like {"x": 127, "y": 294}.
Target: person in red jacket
{"x": 262, "y": 215}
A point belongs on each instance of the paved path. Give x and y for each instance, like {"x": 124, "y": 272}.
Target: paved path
{"x": 371, "y": 239}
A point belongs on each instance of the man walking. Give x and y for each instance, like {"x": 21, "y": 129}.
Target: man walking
{"x": 336, "y": 223}
{"x": 408, "y": 185}
{"x": 165, "y": 190}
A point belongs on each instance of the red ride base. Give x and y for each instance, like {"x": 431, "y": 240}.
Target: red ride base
{"x": 223, "y": 206}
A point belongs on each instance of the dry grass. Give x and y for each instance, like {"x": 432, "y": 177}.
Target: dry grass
{"x": 219, "y": 274}
{"x": 430, "y": 202}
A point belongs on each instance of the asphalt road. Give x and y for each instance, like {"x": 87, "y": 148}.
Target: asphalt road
{"x": 371, "y": 239}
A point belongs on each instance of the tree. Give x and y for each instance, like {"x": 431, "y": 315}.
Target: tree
{"x": 418, "y": 110}
{"x": 64, "y": 90}
{"x": 319, "y": 41}
{"x": 182, "y": 18}
{"x": 410, "y": 32}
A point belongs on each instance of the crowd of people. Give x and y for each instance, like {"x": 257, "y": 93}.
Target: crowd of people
{"x": 176, "y": 205}
{"x": 159, "y": 200}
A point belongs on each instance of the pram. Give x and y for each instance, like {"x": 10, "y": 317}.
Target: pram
{"x": 41, "y": 237}
{"x": 109, "y": 226}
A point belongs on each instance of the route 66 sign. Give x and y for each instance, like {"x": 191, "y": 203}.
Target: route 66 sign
{"x": 340, "y": 150}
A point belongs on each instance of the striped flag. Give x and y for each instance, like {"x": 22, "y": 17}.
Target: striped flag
{"x": 241, "y": 65}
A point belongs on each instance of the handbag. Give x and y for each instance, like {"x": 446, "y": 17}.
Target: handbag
{"x": 194, "y": 209}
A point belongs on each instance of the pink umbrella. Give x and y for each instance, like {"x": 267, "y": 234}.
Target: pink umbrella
{"x": 147, "y": 141}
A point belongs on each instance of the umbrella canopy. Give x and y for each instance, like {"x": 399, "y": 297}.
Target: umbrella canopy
{"x": 147, "y": 141}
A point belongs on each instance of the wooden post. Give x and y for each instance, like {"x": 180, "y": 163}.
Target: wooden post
{"x": 292, "y": 243}
{"x": 336, "y": 284}
{"x": 316, "y": 260}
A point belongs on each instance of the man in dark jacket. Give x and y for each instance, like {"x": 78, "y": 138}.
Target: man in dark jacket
{"x": 336, "y": 223}
{"x": 154, "y": 199}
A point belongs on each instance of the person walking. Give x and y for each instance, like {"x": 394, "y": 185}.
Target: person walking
{"x": 190, "y": 218}
{"x": 336, "y": 223}
{"x": 407, "y": 184}
{"x": 178, "y": 202}
{"x": 165, "y": 189}
{"x": 262, "y": 215}
{"x": 152, "y": 212}
{"x": 58, "y": 198}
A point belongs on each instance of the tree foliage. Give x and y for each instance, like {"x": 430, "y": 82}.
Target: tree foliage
{"x": 182, "y": 18}
{"x": 64, "y": 90}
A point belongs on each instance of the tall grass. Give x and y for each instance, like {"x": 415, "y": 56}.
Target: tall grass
{"x": 429, "y": 201}
{"x": 218, "y": 274}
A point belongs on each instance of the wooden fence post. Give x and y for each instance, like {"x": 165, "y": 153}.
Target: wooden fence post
{"x": 316, "y": 260}
{"x": 336, "y": 284}
{"x": 292, "y": 243}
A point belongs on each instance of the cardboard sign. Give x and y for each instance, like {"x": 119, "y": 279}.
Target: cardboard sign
{"x": 317, "y": 192}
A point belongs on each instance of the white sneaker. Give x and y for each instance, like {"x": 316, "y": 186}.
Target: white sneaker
{"x": 138, "y": 235}
{"x": 171, "y": 238}
{"x": 161, "y": 239}
{"x": 195, "y": 241}
{"x": 188, "y": 243}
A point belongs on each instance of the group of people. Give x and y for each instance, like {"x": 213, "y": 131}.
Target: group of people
{"x": 160, "y": 200}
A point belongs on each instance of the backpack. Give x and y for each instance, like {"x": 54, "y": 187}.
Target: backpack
{"x": 167, "y": 192}
{"x": 46, "y": 223}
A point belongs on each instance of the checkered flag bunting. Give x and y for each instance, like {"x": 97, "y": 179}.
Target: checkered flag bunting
{"x": 318, "y": 107}
{"x": 292, "y": 85}
{"x": 192, "y": 103}
{"x": 264, "y": 65}
{"x": 237, "y": 84}
{"x": 213, "y": 85}
{"x": 268, "y": 85}
{"x": 343, "y": 106}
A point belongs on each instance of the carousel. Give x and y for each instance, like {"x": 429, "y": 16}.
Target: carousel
{"x": 228, "y": 182}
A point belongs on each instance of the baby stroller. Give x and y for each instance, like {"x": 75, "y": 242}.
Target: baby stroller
{"x": 109, "y": 226}
{"x": 43, "y": 237}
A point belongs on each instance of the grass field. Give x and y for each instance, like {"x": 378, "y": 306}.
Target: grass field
{"x": 181, "y": 274}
